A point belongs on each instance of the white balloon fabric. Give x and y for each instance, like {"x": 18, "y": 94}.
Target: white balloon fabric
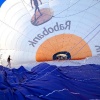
{"x": 56, "y": 26}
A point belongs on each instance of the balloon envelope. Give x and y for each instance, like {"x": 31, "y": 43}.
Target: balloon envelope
{"x": 69, "y": 25}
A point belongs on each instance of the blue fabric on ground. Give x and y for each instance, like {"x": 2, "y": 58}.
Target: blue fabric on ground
{"x": 49, "y": 82}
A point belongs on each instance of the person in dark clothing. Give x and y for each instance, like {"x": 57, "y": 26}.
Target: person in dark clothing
{"x": 8, "y": 60}
{"x": 36, "y": 6}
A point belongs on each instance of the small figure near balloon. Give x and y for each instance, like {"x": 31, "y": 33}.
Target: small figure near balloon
{"x": 8, "y": 60}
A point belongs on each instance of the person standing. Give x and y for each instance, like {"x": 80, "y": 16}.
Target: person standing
{"x": 8, "y": 60}
{"x": 36, "y": 6}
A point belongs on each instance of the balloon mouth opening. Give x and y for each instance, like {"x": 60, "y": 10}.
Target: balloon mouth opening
{"x": 62, "y": 55}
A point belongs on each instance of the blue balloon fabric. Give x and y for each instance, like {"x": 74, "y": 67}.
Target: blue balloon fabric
{"x": 49, "y": 82}
{"x": 1, "y": 2}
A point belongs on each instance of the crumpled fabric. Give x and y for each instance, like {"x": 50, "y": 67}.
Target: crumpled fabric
{"x": 49, "y": 82}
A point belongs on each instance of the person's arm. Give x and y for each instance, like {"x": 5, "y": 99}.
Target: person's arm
{"x": 31, "y": 3}
{"x": 40, "y": 1}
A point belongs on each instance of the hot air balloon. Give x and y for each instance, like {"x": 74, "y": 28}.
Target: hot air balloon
{"x": 73, "y": 28}
{"x": 59, "y": 41}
